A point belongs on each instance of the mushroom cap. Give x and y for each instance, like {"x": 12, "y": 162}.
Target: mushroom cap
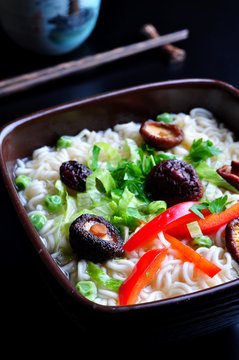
{"x": 88, "y": 246}
{"x": 174, "y": 181}
{"x": 161, "y": 135}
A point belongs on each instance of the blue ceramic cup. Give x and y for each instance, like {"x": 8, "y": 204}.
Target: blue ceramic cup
{"x": 50, "y": 27}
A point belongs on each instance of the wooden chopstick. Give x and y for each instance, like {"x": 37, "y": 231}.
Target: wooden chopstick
{"x": 29, "y": 80}
{"x": 174, "y": 54}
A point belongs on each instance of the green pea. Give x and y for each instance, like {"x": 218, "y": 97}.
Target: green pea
{"x": 202, "y": 241}
{"x": 22, "y": 181}
{"x": 53, "y": 203}
{"x": 87, "y": 289}
{"x": 64, "y": 142}
{"x": 38, "y": 220}
{"x": 165, "y": 117}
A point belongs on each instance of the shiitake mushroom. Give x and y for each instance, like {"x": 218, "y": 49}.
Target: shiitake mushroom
{"x": 230, "y": 173}
{"x": 174, "y": 181}
{"x": 161, "y": 135}
{"x": 232, "y": 238}
{"x": 94, "y": 238}
{"x": 74, "y": 175}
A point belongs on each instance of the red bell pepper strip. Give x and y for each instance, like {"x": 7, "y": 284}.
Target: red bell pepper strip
{"x": 185, "y": 220}
{"x": 210, "y": 223}
{"x": 179, "y": 213}
{"x": 142, "y": 275}
{"x": 191, "y": 255}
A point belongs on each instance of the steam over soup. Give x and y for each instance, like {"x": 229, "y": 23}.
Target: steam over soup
{"x": 133, "y": 214}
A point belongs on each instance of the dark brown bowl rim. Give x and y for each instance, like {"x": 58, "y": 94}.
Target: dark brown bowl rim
{"x": 33, "y": 235}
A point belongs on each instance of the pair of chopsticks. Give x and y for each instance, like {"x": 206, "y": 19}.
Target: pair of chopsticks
{"x": 30, "y": 80}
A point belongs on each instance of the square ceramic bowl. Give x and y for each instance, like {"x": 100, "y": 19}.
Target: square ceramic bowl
{"x": 196, "y": 313}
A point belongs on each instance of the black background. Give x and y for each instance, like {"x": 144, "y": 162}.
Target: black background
{"x": 32, "y": 314}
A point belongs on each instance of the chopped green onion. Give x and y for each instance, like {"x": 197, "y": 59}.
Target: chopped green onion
{"x": 157, "y": 207}
{"x": 202, "y": 241}
{"x": 38, "y": 220}
{"x": 103, "y": 180}
{"x": 164, "y": 156}
{"x": 194, "y": 229}
{"x": 131, "y": 150}
{"x": 87, "y": 288}
{"x": 64, "y": 142}
{"x": 95, "y": 157}
{"x": 101, "y": 278}
{"x": 198, "y": 238}
{"x": 53, "y": 203}
{"x": 165, "y": 117}
{"x": 60, "y": 187}
{"x": 206, "y": 172}
{"x": 22, "y": 181}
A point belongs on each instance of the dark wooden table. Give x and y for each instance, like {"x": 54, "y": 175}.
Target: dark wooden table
{"x": 32, "y": 312}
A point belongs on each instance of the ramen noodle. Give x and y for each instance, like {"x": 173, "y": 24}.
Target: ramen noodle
{"x": 176, "y": 276}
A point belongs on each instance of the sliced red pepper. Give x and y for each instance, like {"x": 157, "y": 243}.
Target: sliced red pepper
{"x": 142, "y": 275}
{"x": 191, "y": 255}
{"x": 185, "y": 220}
{"x": 210, "y": 223}
{"x": 179, "y": 213}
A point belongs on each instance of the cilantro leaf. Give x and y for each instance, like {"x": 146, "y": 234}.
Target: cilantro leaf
{"x": 197, "y": 208}
{"x": 201, "y": 150}
{"x": 215, "y": 206}
{"x": 218, "y": 205}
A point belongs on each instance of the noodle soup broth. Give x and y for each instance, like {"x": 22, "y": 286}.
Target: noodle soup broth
{"x": 186, "y": 299}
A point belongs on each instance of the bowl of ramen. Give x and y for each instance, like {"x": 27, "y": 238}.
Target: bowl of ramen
{"x": 131, "y": 199}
